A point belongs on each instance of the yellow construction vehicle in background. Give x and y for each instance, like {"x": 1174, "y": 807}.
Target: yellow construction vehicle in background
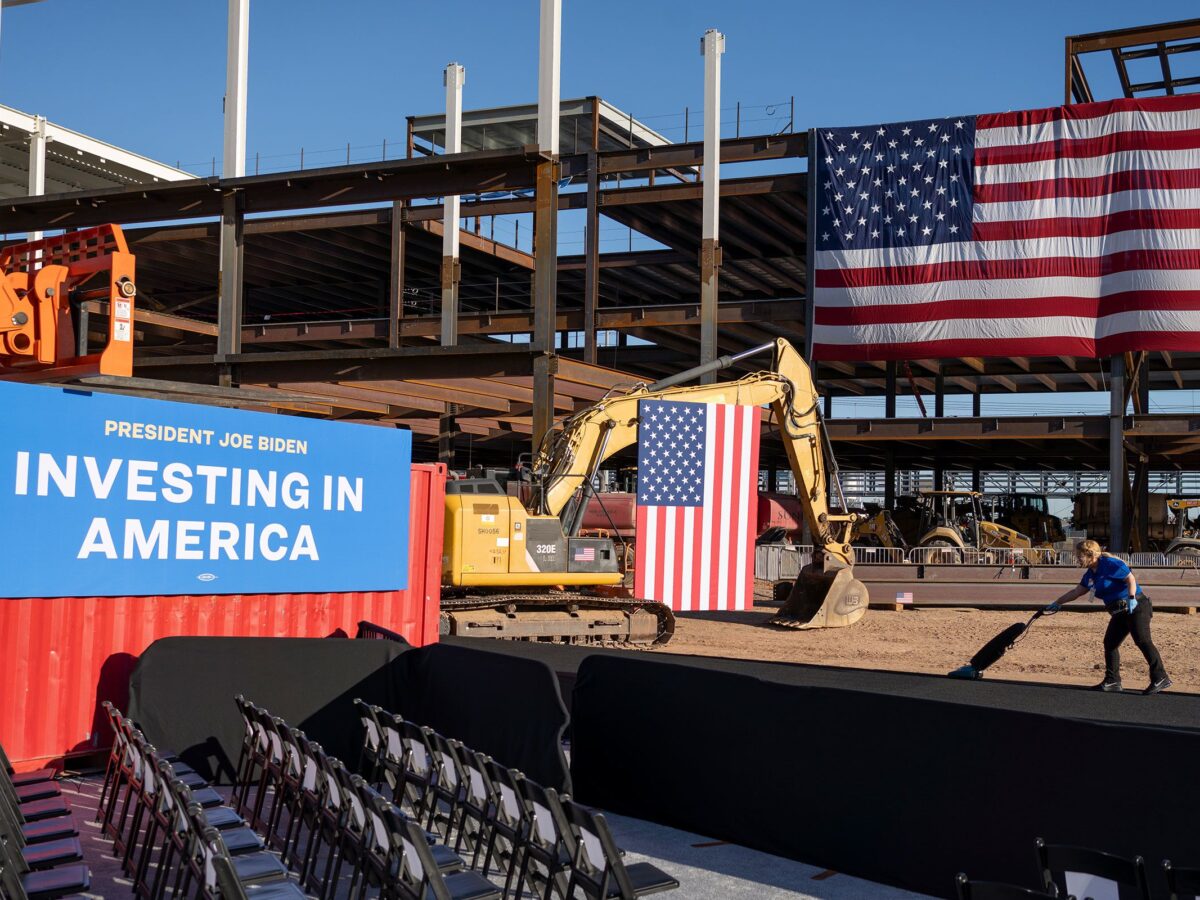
{"x": 877, "y": 528}
{"x": 506, "y": 558}
{"x": 1187, "y": 530}
{"x": 1029, "y": 514}
{"x": 953, "y": 522}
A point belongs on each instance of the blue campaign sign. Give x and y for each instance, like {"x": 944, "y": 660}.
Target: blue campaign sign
{"x": 112, "y": 496}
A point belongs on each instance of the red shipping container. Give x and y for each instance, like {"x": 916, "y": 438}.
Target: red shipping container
{"x": 65, "y": 655}
{"x": 780, "y": 511}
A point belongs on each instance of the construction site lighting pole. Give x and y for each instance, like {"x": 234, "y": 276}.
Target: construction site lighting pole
{"x": 1118, "y": 476}
{"x": 545, "y": 218}
{"x": 229, "y": 307}
{"x": 712, "y": 46}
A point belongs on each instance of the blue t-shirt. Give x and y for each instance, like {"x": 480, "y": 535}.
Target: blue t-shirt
{"x": 1108, "y": 581}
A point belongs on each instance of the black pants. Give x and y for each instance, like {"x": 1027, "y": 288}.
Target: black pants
{"x": 1121, "y": 626}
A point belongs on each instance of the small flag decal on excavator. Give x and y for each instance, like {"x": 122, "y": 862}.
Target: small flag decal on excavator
{"x": 585, "y": 554}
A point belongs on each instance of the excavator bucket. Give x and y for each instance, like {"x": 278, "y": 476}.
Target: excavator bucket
{"x": 823, "y": 599}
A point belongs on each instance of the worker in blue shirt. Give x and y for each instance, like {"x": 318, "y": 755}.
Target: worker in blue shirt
{"x": 1130, "y": 611}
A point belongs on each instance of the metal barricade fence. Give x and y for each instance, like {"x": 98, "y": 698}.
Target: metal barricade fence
{"x": 780, "y": 562}
{"x": 889, "y": 556}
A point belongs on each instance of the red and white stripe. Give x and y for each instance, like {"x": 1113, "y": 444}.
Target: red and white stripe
{"x": 702, "y": 557}
{"x": 1086, "y": 242}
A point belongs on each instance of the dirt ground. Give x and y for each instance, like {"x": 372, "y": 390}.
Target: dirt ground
{"x": 1065, "y": 648}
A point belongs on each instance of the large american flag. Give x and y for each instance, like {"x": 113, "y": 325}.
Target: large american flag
{"x": 696, "y": 491}
{"x": 1071, "y": 231}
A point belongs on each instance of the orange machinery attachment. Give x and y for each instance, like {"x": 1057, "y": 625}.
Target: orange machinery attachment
{"x": 45, "y": 291}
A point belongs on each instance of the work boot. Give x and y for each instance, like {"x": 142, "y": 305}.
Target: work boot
{"x": 1161, "y": 685}
{"x": 1109, "y": 687}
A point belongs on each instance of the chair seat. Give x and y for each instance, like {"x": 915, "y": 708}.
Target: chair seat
{"x": 192, "y": 779}
{"x": 241, "y": 840}
{"x": 646, "y": 878}
{"x": 21, "y": 778}
{"x": 36, "y": 810}
{"x": 207, "y": 797}
{"x": 38, "y": 790}
{"x": 56, "y": 882}
{"x": 222, "y": 817}
{"x": 52, "y": 853}
{"x": 48, "y": 830}
{"x": 469, "y": 886}
{"x": 447, "y": 860}
{"x": 275, "y": 890}
{"x": 258, "y": 867}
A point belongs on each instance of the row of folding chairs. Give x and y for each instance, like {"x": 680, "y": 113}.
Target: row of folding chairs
{"x": 40, "y": 854}
{"x": 1057, "y": 863}
{"x": 171, "y": 830}
{"x": 325, "y": 820}
{"x": 537, "y": 839}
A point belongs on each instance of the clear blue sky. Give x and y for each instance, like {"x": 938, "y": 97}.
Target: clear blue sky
{"x": 149, "y": 75}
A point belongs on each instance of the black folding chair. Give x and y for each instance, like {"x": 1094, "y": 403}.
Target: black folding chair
{"x": 44, "y": 854}
{"x": 417, "y": 874}
{"x": 475, "y": 811}
{"x": 249, "y": 868}
{"x": 1182, "y": 884}
{"x": 232, "y": 888}
{"x": 1056, "y": 861}
{"x": 19, "y": 882}
{"x": 995, "y": 890}
{"x": 372, "y": 748}
{"x": 23, "y": 778}
{"x": 416, "y": 788}
{"x": 448, "y": 788}
{"x": 550, "y": 847}
{"x": 598, "y": 870}
{"x": 508, "y": 824}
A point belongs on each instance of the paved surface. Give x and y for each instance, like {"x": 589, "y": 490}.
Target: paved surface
{"x": 715, "y": 870}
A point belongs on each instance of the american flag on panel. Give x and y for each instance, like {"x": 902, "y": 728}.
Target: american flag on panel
{"x": 696, "y": 500}
{"x": 1066, "y": 231}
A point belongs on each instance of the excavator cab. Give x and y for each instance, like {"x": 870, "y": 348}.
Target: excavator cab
{"x": 48, "y": 289}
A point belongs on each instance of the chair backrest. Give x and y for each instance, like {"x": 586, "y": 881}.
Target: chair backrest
{"x": 1182, "y": 884}
{"x": 293, "y": 756}
{"x": 508, "y": 808}
{"x": 329, "y": 789}
{"x": 597, "y": 860}
{"x": 995, "y": 890}
{"x": 445, "y": 761}
{"x": 548, "y": 826}
{"x": 216, "y": 857}
{"x": 393, "y": 755}
{"x": 372, "y": 728}
{"x": 418, "y": 752}
{"x": 479, "y": 788}
{"x": 417, "y": 874}
{"x": 1081, "y": 871}
{"x": 310, "y": 779}
{"x": 243, "y": 707}
{"x": 356, "y": 811}
{"x": 170, "y": 805}
{"x": 378, "y": 813}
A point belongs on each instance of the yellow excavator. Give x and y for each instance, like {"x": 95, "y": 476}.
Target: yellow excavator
{"x": 515, "y": 565}
{"x": 1187, "y": 530}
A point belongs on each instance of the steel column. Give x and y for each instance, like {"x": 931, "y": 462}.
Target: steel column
{"x": 977, "y": 402}
{"x": 229, "y": 301}
{"x": 396, "y": 275}
{"x": 810, "y": 247}
{"x": 545, "y": 220}
{"x": 591, "y": 260}
{"x": 939, "y": 395}
{"x": 454, "y": 77}
{"x": 889, "y": 479}
{"x": 712, "y": 46}
{"x": 889, "y": 397}
{"x": 447, "y": 432}
{"x": 1118, "y": 477}
{"x": 229, "y": 305}
{"x": 37, "y": 164}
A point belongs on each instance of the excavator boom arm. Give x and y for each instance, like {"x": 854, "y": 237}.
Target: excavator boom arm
{"x": 570, "y": 457}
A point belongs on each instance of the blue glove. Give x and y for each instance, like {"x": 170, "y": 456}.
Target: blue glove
{"x": 1053, "y": 607}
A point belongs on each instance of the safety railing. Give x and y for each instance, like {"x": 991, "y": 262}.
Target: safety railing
{"x": 783, "y": 562}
